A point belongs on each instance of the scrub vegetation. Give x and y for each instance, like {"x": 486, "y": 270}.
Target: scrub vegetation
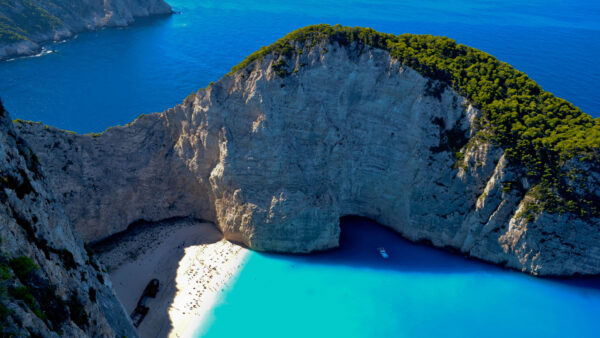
{"x": 21, "y": 282}
{"x": 21, "y": 19}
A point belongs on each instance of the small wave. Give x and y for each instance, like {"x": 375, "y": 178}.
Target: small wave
{"x": 43, "y": 52}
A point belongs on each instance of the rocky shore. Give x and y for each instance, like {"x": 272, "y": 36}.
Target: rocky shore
{"x": 26, "y": 25}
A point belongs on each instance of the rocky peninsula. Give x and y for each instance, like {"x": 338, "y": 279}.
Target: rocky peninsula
{"x": 327, "y": 123}
{"x": 438, "y": 141}
{"x": 26, "y": 24}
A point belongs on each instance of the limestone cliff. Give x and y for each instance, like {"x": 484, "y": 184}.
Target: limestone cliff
{"x": 277, "y": 151}
{"x": 49, "y": 285}
{"x": 25, "y": 24}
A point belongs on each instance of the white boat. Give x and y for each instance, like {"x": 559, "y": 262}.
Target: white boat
{"x": 383, "y": 253}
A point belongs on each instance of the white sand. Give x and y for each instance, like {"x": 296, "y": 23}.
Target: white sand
{"x": 193, "y": 264}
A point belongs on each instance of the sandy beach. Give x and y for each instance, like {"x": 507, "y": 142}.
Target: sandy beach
{"x": 192, "y": 262}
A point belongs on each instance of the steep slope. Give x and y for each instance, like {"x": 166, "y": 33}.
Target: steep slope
{"x": 24, "y": 24}
{"x": 49, "y": 285}
{"x": 333, "y": 121}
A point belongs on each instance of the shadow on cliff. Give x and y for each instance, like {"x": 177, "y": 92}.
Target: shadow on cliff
{"x": 361, "y": 237}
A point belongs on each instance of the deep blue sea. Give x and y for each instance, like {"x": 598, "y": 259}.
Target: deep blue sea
{"x": 109, "y": 77}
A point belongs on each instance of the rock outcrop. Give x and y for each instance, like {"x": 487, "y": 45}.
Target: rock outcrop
{"x": 277, "y": 151}
{"x": 49, "y": 285}
{"x": 24, "y": 25}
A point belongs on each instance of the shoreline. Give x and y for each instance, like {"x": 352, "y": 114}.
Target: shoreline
{"x": 192, "y": 302}
{"x": 28, "y": 48}
{"x": 191, "y": 260}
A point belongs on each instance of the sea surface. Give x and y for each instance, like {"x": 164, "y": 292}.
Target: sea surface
{"x": 417, "y": 292}
{"x": 109, "y": 77}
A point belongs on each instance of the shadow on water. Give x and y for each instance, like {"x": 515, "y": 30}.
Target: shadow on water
{"x": 361, "y": 237}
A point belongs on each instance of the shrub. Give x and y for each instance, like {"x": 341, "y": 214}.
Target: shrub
{"x": 22, "y": 267}
{"x": 5, "y": 272}
{"x": 23, "y": 293}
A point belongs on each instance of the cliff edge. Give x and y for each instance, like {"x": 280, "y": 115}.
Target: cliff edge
{"x": 49, "y": 285}
{"x": 25, "y": 24}
{"x": 439, "y": 141}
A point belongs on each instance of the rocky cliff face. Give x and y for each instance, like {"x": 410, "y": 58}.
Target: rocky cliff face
{"x": 276, "y": 152}
{"x": 26, "y": 24}
{"x": 49, "y": 285}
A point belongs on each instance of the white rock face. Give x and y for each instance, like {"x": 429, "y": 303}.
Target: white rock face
{"x": 33, "y": 224}
{"x": 275, "y": 154}
{"x": 72, "y": 17}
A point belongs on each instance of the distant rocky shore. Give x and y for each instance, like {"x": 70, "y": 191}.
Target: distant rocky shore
{"x": 26, "y": 25}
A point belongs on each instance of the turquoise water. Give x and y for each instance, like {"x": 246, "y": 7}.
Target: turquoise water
{"x": 109, "y": 77}
{"x": 417, "y": 292}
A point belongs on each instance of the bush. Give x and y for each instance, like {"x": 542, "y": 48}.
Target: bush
{"x": 5, "y": 272}
{"x": 23, "y": 293}
{"x": 22, "y": 267}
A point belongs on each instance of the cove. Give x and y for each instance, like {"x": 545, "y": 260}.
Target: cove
{"x": 418, "y": 292}
{"x": 109, "y": 77}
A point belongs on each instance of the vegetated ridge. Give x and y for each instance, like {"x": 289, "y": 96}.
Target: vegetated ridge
{"x": 441, "y": 142}
{"x": 535, "y": 128}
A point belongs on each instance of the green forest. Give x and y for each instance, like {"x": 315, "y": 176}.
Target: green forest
{"x": 21, "y": 19}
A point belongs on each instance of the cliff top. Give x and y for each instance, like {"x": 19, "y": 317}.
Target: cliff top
{"x": 535, "y": 128}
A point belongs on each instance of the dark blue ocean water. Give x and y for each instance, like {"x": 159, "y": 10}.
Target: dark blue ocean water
{"x": 109, "y": 77}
